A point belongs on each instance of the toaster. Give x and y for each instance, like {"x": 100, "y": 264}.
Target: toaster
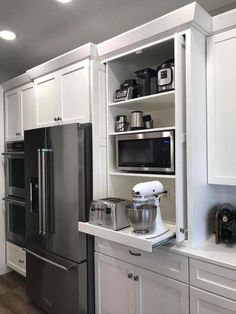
{"x": 225, "y": 224}
{"x": 109, "y": 213}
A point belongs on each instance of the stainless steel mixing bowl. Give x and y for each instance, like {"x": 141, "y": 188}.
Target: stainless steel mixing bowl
{"x": 142, "y": 217}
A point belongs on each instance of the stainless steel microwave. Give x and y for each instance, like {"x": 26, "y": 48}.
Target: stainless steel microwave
{"x": 146, "y": 152}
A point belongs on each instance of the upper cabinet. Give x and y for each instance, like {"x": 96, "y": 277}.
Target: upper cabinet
{"x": 13, "y": 121}
{"x": 221, "y": 108}
{"x": 19, "y": 112}
{"x": 63, "y": 96}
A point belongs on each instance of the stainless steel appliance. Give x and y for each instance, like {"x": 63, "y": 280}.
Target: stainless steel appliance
{"x": 58, "y": 176}
{"x": 109, "y": 213}
{"x": 146, "y": 152}
{"x": 166, "y": 76}
{"x": 15, "y": 180}
{"x": 121, "y": 124}
{"x": 148, "y": 122}
{"x": 128, "y": 90}
{"x": 136, "y": 120}
{"x": 15, "y": 220}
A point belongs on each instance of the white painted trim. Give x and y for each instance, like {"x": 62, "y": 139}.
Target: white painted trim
{"x": 223, "y": 22}
{"x": 88, "y": 50}
{"x": 16, "y": 82}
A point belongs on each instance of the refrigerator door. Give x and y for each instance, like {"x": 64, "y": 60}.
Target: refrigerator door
{"x": 55, "y": 284}
{"x": 34, "y": 140}
{"x": 71, "y": 188}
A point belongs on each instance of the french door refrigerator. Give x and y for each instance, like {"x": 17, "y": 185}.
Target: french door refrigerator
{"x": 59, "y": 259}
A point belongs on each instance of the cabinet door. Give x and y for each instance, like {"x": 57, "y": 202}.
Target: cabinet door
{"x": 13, "y": 123}
{"x": 47, "y": 97}
{"x": 221, "y": 108}
{"x": 155, "y": 293}
{"x": 114, "y": 288}
{"x": 75, "y": 94}
{"x": 28, "y": 107}
{"x": 202, "y": 302}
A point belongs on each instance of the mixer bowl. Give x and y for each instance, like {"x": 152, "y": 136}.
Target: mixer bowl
{"x": 142, "y": 217}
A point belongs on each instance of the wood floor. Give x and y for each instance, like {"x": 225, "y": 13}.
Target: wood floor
{"x": 13, "y": 299}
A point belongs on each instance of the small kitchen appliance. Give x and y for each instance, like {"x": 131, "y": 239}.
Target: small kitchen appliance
{"x": 148, "y": 122}
{"x": 225, "y": 224}
{"x": 109, "y": 213}
{"x": 146, "y": 81}
{"x": 152, "y": 152}
{"x": 128, "y": 90}
{"x": 121, "y": 124}
{"x": 147, "y": 195}
{"x": 136, "y": 120}
{"x": 166, "y": 76}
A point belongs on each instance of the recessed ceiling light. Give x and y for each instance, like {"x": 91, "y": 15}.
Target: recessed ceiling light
{"x": 64, "y": 1}
{"x": 7, "y": 35}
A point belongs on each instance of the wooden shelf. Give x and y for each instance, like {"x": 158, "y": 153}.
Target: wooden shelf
{"x": 151, "y": 102}
{"x": 143, "y": 131}
{"x": 143, "y": 175}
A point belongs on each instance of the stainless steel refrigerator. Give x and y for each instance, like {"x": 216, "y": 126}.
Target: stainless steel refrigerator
{"x": 58, "y": 174}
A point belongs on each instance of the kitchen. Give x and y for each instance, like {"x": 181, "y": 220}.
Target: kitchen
{"x": 119, "y": 180}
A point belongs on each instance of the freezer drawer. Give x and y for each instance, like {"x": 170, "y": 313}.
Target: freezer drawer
{"x": 55, "y": 284}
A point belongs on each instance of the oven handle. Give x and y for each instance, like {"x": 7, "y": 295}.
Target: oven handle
{"x": 12, "y": 201}
{"x": 13, "y": 154}
{"x": 50, "y": 262}
{"x": 40, "y": 191}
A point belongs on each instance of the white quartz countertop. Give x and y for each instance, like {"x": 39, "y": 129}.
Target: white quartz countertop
{"x": 209, "y": 251}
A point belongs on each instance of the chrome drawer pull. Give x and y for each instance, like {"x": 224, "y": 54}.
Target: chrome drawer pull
{"x": 134, "y": 254}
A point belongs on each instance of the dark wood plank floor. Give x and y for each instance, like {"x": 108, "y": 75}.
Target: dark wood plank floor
{"x": 13, "y": 299}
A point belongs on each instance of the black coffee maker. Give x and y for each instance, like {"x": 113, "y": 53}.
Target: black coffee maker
{"x": 225, "y": 224}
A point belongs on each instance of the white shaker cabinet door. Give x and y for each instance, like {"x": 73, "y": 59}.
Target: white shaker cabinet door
{"x": 13, "y": 122}
{"x": 155, "y": 293}
{"x": 114, "y": 286}
{"x": 75, "y": 93}
{"x": 28, "y": 106}
{"x": 47, "y": 98}
{"x": 221, "y": 90}
{"x": 202, "y": 302}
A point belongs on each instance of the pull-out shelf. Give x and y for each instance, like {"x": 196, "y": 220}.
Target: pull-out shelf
{"x": 127, "y": 237}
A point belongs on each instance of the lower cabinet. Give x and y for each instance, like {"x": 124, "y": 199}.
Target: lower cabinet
{"x": 16, "y": 258}
{"x": 124, "y": 288}
{"x": 202, "y": 302}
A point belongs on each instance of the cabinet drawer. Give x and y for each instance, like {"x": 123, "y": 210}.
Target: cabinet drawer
{"x": 160, "y": 261}
{"x": 16, "y": 258}
{"x": 216, "y": 279}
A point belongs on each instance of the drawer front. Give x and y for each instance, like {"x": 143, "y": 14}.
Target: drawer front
{"x": 216, "y": 279}
{"x": 16, "y": 258}
{"x": 160, "y": 261}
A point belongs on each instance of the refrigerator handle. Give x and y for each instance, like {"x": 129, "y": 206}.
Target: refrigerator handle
{"x": 40, "y": 191}
{"x": 47, "y": 221}
{"x": 72, "y": 265}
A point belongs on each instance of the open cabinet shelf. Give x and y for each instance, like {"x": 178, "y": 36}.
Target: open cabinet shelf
{"x": 148, "y": 103}
{"x": 143, "y": 175}
{"x": 142, "y": 131}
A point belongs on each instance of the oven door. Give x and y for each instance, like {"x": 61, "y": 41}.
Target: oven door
{"x": 15, "y": 221}
{"x": 15, "y": 174}
{"x": 150, "y": 152}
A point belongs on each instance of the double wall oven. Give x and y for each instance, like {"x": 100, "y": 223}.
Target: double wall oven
{"x": 15, "y": 192}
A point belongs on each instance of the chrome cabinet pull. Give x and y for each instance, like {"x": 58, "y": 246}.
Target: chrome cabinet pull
{"x": 134, "y": 254}
{"x": 130, "y": 275}
{"x": 21, "y": 261}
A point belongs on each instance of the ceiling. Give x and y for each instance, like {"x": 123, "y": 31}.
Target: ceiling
{"x": 47, "y": 28}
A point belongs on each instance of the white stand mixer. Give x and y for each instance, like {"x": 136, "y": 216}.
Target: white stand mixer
{"x": 150, "y": 193}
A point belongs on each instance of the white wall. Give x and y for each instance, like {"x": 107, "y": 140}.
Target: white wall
{"x": 3, "y": 268}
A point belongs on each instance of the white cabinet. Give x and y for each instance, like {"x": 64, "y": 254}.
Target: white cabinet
{"x": 28, "y": 106}
{"x": 221, "y": 108}
{"x": 125, "y": 288}
{"x": 16, "y": 258}
{"x": 156, "y": 293}
{"x": 63, "y": 96}
{"x": 202, "y": 302}
{"x": 13, "y": 121}
{"x": 19, "y": 112}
